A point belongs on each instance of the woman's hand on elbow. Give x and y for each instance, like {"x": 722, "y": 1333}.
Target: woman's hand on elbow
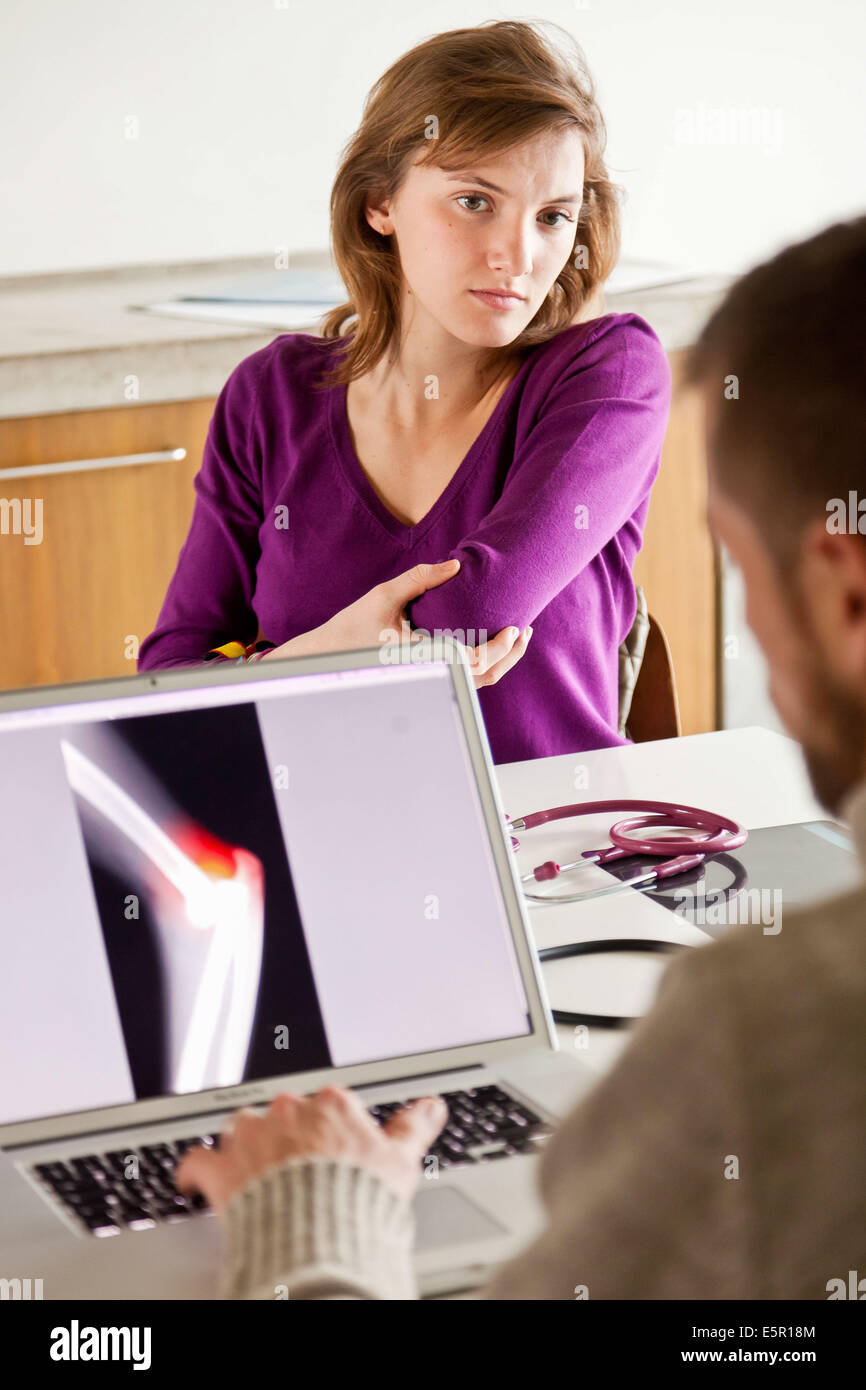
{"x": 377, "y": 617}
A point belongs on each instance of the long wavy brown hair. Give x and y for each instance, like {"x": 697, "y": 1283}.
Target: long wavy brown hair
{"x": 489, "y": 88}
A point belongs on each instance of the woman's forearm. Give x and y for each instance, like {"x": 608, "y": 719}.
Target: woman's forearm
{"x": 305, "y": 644}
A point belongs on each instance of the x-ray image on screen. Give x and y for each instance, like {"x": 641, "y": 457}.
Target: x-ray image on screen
{"x": 189, "y": 886}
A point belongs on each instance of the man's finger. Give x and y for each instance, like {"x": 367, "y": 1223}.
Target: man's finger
{"x": 419, "y": 1123}
{"x": 241, "y": 1118}
{"x": 195, "y": 1170}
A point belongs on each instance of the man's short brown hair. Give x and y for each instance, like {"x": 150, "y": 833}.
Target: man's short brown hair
{"x": 786, "y": 351}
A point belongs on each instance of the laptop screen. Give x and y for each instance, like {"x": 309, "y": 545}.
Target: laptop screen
{"x": 237, "y": 881}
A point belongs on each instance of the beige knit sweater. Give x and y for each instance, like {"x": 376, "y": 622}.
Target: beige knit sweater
{"x": 724, "y": 1155}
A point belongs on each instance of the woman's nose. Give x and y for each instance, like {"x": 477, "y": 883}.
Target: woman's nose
{"x": 510, "y": 250}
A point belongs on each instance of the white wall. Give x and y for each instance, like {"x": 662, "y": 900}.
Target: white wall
{"x": 243, "y": 106}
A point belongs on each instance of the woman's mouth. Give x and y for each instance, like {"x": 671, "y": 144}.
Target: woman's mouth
{"x": 497, "y": 300}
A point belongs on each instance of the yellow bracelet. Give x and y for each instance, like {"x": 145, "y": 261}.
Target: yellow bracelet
{"x": 229, "y": 649}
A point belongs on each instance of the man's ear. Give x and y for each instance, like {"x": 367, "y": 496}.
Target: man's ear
{"x": 833, "y": 589}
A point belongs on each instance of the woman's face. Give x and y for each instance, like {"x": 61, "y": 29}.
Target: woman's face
{"x": 508, "y": 224}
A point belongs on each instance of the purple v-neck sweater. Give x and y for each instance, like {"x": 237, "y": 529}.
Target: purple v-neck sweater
{"x": 545, "y": 514}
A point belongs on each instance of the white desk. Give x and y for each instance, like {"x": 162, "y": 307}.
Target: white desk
{"x": 753, "y": 775}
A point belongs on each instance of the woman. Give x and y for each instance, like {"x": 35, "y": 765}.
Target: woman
{"x": 461, "y": 404}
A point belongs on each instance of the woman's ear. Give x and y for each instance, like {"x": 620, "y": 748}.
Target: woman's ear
{"x": 377, "y": 211}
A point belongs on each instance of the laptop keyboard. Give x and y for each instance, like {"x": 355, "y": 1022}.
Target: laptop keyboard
{"x": 133, "y": 1188}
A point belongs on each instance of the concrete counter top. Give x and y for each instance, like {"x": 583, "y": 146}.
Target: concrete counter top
{"x": 71, "y": 341}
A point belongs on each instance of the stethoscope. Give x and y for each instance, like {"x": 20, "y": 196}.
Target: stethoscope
{"x": 713, "y": 834}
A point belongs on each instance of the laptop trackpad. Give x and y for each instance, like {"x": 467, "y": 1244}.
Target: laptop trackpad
{"x": 445, "y": 1216}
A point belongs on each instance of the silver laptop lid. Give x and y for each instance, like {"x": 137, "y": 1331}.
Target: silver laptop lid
{"x": 220, "y": 881}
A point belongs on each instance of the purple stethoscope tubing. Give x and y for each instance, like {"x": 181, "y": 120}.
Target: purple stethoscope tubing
{"x": 713, "y": 834}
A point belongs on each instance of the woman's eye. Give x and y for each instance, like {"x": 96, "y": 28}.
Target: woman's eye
{"x": 471, "y": 198}
{"x": 464, "y": 198}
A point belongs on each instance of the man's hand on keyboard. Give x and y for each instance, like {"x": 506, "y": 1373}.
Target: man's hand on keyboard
{"x": 331, "y": 1124}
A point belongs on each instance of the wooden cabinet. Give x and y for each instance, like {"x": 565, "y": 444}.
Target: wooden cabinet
{"x": 111, "y": 536}
{"x": 678, "y": 565}
{"x": 111, "y": 533}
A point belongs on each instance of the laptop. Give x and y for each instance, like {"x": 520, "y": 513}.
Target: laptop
{"x": 223, "y": 883}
